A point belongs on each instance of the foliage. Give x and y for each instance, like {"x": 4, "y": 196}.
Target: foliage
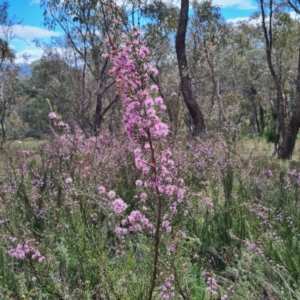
{"x": 242, "y": 223}
{"x": 146, "y": 211}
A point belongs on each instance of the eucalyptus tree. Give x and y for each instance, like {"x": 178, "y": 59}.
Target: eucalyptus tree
{"x": 197, "y": 125}
{"x": 288, "y": 144}
{"x": 249, "y": 67}
{"x": 280, "y": 32}
{"x": 54, "y": 77}
{"x": 276, "y": 28}
{"x": 8, "y": 69}
{"x": 221, "y": 50}
{"x": 86, "y": 24}
{"x": 209, "y": 36}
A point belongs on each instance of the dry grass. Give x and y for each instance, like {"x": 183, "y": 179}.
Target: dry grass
{"x": 258, "y": 147}
{"x": 15, "y": 148}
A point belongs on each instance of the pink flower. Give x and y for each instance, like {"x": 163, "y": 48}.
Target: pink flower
{"x": 137, "y": 227}
{"x": 180, "y": 193}
{"x": 33, "y": 278}
{"x": 180, "y": 181}
{"x": 101, "y": 189}
{"x": 119, "y": 206}
{"x": 135, "y": 216}
{"x": 165, "y": 224}
{"x": 163, "y": 107}
{"x": 144, "y": 51}
{"x": 149, "y": 102}
{"x": 154, "y": 87}
{"x": 151, "y": 112}
{"x": 139, "y": 182}
{"x": 159, "y": 100}
{"x": 52, "y": 115}
{"x": 119, "y": 230}
{"x": 69, "y": 180}
{"x": 172, "y": 247}
{"x": 112, "y": 194}
{"x": 42, "y": 259}
{"x": 161, "y": 188}
{"x": 153, "y": 70}
{"x": 145, "y": 170}
{"x": 143, "y": 196}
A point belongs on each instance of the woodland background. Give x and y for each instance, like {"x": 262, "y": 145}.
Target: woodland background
{"x": 232, "y": 105}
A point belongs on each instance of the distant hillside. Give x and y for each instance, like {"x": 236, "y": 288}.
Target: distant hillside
{"x": 25, "y": 70}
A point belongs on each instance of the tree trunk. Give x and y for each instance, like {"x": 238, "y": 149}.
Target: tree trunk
{"x": 262, "y": 118}
{"x": 198, "y": 128}
{"x": 280, "y": 106}
{"x": 268, "y": 34}
{"x": 251, "y": 92}
{"x": 99, "y": 95}
{"x": 287, "y": 147}
{"x": 98, "y": 116}
{"x": 216, "y": 83}
{"x": 3, "y": 137}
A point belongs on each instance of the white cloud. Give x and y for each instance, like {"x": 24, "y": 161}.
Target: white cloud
{"x": 33, "y": 2}
{"x": 22, "y": 41}
{"x": 294, "y": 15}
{"x": 258, "y": 20}
{"x": 236, "y": 20}
{"x": 239, "y": 4}
{"x": 31, "y": 53}
{"x": 26, "y": 33}
{"x": 32, "y": 32}
{"x": 28, "y": 50}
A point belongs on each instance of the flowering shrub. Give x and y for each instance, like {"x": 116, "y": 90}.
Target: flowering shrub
{"x": 161, "y": 192}
{"x": 146, "y": 216}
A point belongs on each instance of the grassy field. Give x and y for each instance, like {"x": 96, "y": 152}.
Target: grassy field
{"x": 14, "y": 150}
{"x": 241, "y": 223}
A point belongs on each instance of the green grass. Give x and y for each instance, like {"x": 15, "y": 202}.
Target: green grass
{"x": 15, "y": 148}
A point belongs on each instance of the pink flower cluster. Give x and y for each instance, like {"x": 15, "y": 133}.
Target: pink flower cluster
{"x": 138, "y": 221}
{"x": 254, "y": 248}
{"x": 135, "y": 222}
{"x": 56, "y": 121}
{"x": 167, "y": 289}
{"x": 212, "y": 285}
{"x": 52, "y": 115}
{"x": 132, "y": 71}
{"x": 24, "y": 249}
{"x": 153, "y": 158}
{"x": 119, "y": 206}
{"x": 69, "y": 180}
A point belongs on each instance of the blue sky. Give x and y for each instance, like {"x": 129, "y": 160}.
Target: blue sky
{"x": 31, "y": 15}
